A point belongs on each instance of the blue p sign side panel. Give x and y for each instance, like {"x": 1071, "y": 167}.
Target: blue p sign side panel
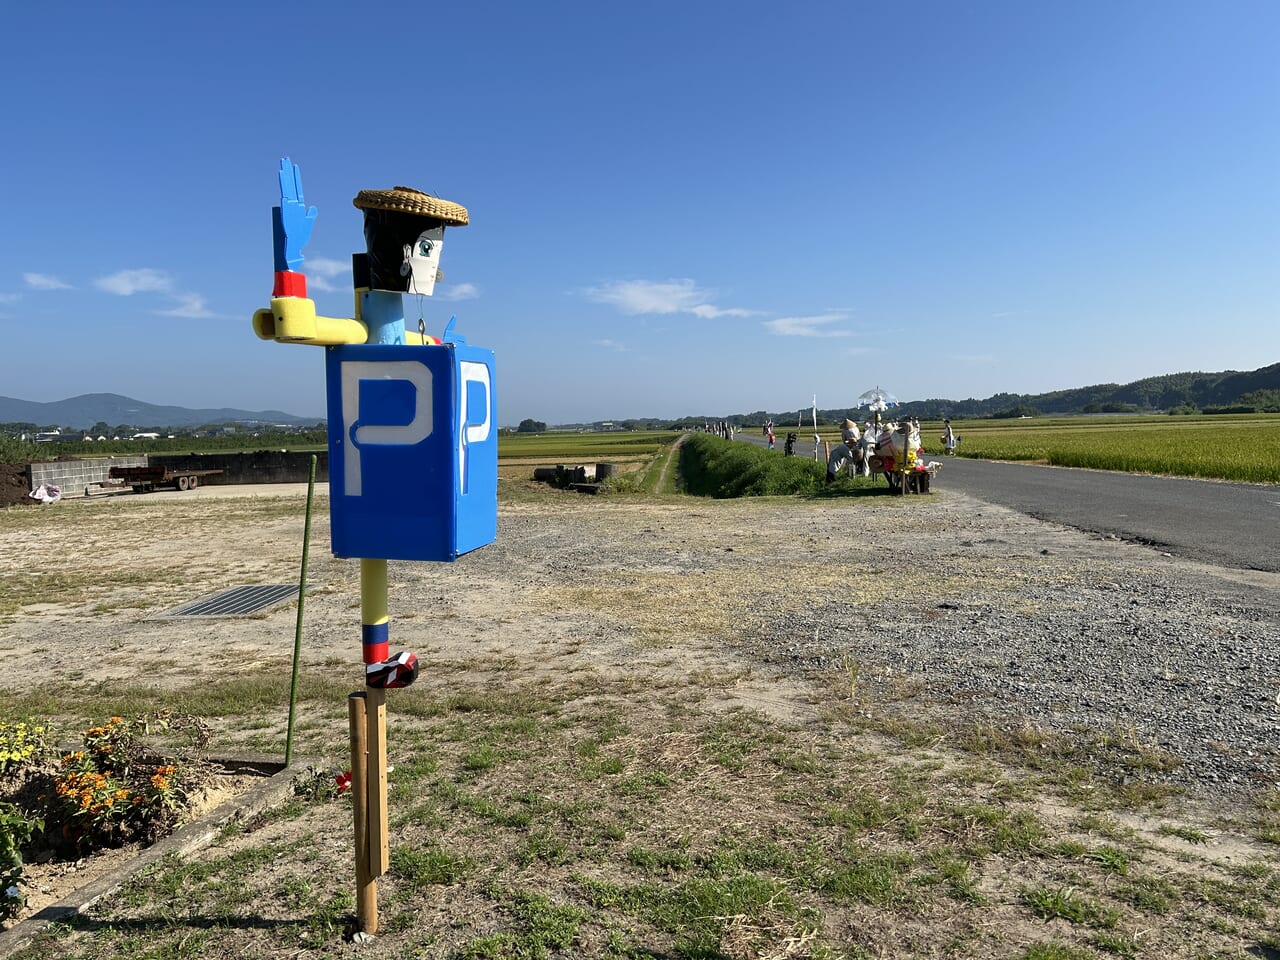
{"x": 413, "y": 450}
{"x": 476, "y": 483}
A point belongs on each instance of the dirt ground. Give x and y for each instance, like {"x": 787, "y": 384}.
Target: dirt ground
{"x": 628, "y": 588}
{"x": 14, "y": 486}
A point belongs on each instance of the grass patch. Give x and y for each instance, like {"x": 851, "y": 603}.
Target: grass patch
{"x": 682, "y": 852}
{"x": 713, "y": 467}
{"x": 1051, "y": 904}
{"x": 428, "y": 866}
{"x": 231, "y": 696}
{"x": 1190, "y": 834}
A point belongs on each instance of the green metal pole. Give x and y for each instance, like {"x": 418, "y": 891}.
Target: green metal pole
{"x": 302, "y": 597}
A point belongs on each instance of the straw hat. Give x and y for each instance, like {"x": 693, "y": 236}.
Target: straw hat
{"x": 409, "y": 200}
{"x": 849, "y": 424}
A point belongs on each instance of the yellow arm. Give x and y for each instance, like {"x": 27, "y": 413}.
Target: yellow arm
{"x": 294, "y": 320}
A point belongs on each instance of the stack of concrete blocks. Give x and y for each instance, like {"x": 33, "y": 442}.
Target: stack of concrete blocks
{"x": 76, "y": 476}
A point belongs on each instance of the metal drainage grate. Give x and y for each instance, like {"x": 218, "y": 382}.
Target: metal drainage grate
{"x": 234, "y": 602}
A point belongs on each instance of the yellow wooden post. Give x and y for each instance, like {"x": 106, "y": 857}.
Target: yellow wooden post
{"x": 370, "y": 794}
{"x": 376, "y": 718}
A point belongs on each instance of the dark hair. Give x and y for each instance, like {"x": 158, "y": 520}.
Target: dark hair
{"x": 385, "y": 234}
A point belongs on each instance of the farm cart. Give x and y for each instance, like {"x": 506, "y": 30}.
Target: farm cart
{"x": 146, "y": 479}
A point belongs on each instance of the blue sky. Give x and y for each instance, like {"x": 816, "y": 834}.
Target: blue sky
{"x": 676, "y": 208}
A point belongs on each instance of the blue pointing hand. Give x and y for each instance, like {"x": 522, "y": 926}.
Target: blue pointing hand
{"x": 291, "y": 222}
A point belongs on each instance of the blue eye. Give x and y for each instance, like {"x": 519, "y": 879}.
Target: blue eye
{"x": 424, "y": 248}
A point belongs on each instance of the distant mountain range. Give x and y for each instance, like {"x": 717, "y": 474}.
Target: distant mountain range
{"x": 1258, "y": 388}
{"x": 111, "y": 408}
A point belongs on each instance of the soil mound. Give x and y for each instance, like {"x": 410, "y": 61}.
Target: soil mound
{"x": 13, "y": 485}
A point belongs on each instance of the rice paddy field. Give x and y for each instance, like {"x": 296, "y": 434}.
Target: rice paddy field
{"x": 1244, "y": 448}
{"x": 562, "y": 447}
{"x": 1239, "y": 447}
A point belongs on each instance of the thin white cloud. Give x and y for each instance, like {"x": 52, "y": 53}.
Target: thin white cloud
{"x": 636, "y": 297}
{"x": 708, "y": 312}
{"x": 459, "y": 291}
{"x": 192, "y": 306}
{"x": 44, "y": 281}
{"x": 817, "y": 326}
{"x": 10, "y": 297}
{"x": 611, "y": 345}
{"x": 322, "y": 272}
{"x": 128, "y": 282}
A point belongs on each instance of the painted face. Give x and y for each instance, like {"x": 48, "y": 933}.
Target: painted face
{"x": 422, "y": 261}
{"x": 403, "y": 251}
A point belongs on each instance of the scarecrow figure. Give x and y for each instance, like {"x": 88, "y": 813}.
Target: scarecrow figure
{"x": 404, "y": 407}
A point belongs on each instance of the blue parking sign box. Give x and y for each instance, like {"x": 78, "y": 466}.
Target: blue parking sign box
{"x": 413, "y": 450}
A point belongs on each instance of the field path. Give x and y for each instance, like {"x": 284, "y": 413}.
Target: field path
{"x": 666, "y": 467}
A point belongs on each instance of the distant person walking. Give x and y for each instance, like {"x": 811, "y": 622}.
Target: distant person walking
{"x": 948, "y": 438}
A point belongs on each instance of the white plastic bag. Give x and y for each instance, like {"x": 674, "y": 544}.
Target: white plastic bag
{"x": 46, "y": 493}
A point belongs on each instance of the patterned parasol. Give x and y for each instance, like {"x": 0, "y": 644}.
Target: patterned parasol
{"x": 877, "y": 399}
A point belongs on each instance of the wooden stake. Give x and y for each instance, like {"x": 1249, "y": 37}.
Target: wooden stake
{"x": 376, "y": 718}
{"x": 366, "y": 884}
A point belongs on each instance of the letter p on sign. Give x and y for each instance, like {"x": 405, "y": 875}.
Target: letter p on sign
{"x": 367, "y": 430}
